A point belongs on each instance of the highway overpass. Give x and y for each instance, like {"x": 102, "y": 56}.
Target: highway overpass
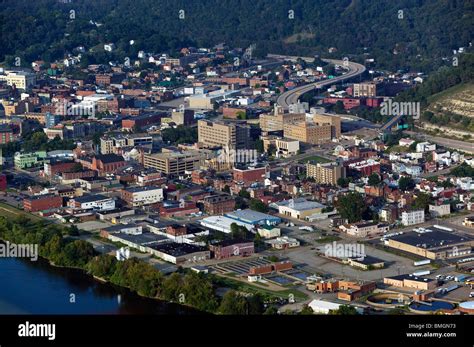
{"x": 291, "y": 97}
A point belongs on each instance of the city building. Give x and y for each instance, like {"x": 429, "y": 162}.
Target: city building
{"x": 107, "y": 163}
{"x": 249, "y": 175}
{"x": 299, "y": 208}
{"x": 253, "y": 217}
{"x": 307, "y": 132}
{"x": 179, "y": 253}
{"x": 140, "y": 196}
{"x": 327, "y": 173}
{"x": 366, "y": 89}
{"x": 220, "y": 134}
{"x": 366, "y": 262}
{"x": 433, "y": 245}
{"x": 278, "y": 120}
{"x": 439, "y": 210}
{"x": 113, "y": 144}
{"x": 364, "y": 229}
{"x": 174, "y": 163}
{"x": 332, "y": 120}
{"x": 96, "y": 202}
{"x": 44, "y": 202}
{"x": 283, "y": 242}
{"x": 230, "y": 248}
{"x": 284, "y": 147}
{"x": 3, "y": 182}
{"x": 6, "y": 134}
{"x": 218, "y": 204}
{"x": 30, "y": 159}
{"x": 19, "y": 79}
{"x": 413, "y": 217}
{"x": 410, "y": 281}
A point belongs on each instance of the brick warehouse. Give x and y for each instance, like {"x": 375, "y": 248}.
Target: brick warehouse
{"x": 42, "y": 203}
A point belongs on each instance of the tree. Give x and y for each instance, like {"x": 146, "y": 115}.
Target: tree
{"x": 238, "y": 231}
{"x": 102, "y": 266}
{"x": 343, "y": 182}
{"x": 259, "y": 146}
{"x": 271, "y": 150}
{"x": 244, "y": 194}
{"x": 233, "y": 304}
{"x": 406, "y": 183}
{"x": 351, "y": 206}
{"x": 258, "y": 205}
{"x": 374, "y": 179}
{"x": 306, "y": 310}
{"x": 345, "y": 310}
{"x": 422, "y": 201}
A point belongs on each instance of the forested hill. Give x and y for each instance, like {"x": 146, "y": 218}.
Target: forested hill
{"x": 397, "y": 33}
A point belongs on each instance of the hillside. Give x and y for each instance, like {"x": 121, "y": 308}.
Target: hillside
{"x": 397, "y": 33}
{"x": 458, "y": 100}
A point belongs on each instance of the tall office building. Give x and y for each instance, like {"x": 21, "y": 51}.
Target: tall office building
{"x": 220, "y": 134}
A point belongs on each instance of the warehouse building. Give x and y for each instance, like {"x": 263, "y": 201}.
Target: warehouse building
{"x": 433, "y": 245}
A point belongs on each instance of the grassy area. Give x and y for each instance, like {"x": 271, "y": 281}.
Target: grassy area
{"x": 327, "y": 239}
{"x": 249, "y": 288}
{"x": 13, "y": 212}
{"x": 315, "y": 159}
{"x": 450, "y": 92}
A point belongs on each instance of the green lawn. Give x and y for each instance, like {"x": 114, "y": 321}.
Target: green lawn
{"x": 245, "y": 287}
{"x": 315, "y": 159}
{"x": 13, "y": 212}
{"x": 327, "y": 239}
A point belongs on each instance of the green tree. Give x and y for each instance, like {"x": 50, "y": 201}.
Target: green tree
{"x": 374, "y": 179}
{"x": 351, "y": 206}
{"x": 406, "y": 183}
{"x": 345, "y": 310}
{"x": 343, "y": 182}
{"x": 258, "y": 205}
{"x": 233, "y": 304}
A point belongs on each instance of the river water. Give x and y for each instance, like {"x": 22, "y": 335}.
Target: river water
{"x": 28, "y": 287}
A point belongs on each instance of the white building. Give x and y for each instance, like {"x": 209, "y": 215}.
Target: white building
{"x": 139, "y": 196}
{"x": 96, "y": 202}
{"x": 425, "y": 147}
{"x": 283, "y": 242}
{"x": 413, "y": 217}
{"x": 21, "y": 79}
{"x": 440, "y": 210}
{"x": 223, "y": 223}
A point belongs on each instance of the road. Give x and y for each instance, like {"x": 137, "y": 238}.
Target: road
{"x": 291, "y": 97}
{"x": 463, "y": 146}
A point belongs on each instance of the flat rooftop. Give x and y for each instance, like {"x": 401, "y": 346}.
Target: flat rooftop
{"x": 177, "y": 249}
{"x": 433, "y": 239}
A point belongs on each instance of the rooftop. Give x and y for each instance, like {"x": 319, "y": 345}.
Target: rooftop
{"x": 433, "y": 239}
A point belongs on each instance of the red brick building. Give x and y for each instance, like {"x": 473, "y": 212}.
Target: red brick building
{"x": 51, "y": 169}
{"x": 141, "y": 121}
{"x": 229, "y": 248}
{"x": 250, "y": 175}
{"x": 218, "y": 204}
{"x": 176, "y": 230}
{"x": 42, "y": 203}
{"x": 3, "y": 182}
{"x": 269, "y": 268}
{"x": 6, "y": 134}
{"x": 107, "y": 163}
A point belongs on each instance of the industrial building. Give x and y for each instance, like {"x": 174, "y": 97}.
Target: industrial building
{"x": 433, "y": 245}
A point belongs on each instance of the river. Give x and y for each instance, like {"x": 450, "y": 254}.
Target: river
{"x": 28, "y": 287}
